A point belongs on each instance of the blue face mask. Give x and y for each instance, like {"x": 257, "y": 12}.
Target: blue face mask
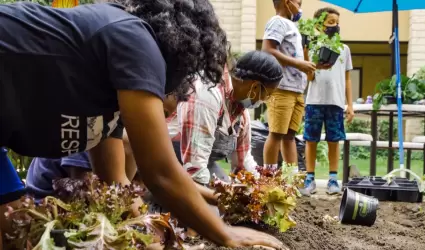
{"x": 295, "y": 18}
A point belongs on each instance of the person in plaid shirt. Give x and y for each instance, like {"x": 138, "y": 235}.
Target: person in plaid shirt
{"x": 214, "y": 123}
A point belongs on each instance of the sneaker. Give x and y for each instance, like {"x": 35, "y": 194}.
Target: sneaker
{"x": 309, "y": 187}
{"x": 333, "y": 187}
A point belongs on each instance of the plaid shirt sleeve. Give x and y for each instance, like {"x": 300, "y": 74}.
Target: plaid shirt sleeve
{"x": 242, "y": 158}
{"x": 197, "y": 124}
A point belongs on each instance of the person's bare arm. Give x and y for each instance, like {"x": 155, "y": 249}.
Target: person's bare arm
{"x": 159, "y": 168}
{"x": 270, "y": 46}
{"x": 107, "y": 160}
{"x": 348, "y": 93}
{"x": 208, "y": 194}
{"x": 349, "y": 97}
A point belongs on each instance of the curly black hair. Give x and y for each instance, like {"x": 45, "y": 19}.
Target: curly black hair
{"x": 259, "y": 66}
{"x": 328, "y": 10}
{"x": 189, "y": 36}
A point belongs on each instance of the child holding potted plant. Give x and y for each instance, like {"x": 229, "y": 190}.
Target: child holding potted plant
{"x": 285, "y": 109}
{"x": 328, "y": 92}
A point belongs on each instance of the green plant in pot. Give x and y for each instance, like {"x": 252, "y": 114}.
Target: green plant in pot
{"x": 413, "y": 89}
{"x": 322, "y": 48}
{"x": 89, "y": 214}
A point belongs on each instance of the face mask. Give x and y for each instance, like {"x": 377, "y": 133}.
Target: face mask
{"x": 295, "y": 18}
{"x": 331, "y": 31}
{"x": 247, "y": 103}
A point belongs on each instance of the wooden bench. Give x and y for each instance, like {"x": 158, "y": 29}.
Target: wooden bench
{"x": 419, "y": 139}
{"x": 408, "y": 146}
{"x": 365, "y": 140}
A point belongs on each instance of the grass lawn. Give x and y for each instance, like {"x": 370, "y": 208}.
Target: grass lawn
{"x": 362, "y": 165}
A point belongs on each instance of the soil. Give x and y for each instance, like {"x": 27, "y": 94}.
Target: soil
{"x": 399, "y": 226}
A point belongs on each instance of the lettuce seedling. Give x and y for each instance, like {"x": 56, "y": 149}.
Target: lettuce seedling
{"x": 269, "y": 199}
{"x": 92, "y": 215}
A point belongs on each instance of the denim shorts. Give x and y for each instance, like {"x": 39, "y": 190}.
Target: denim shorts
{"x": 330, "y": 115}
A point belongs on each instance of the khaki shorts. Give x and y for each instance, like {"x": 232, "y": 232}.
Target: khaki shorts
{"x": 285, "y": 111}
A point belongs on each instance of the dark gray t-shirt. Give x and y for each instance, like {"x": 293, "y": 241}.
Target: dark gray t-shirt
{"x": 60, "y": 70}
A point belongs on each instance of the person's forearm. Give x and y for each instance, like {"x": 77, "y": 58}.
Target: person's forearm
{"x": 283, "y": 59}
{"x": 186, "y": 202}
{"x": 159, "y": 168}
{"x": 208, "y": 194}
{"x": 348, "y": 94}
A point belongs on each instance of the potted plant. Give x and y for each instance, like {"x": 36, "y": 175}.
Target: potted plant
{"x": 413, "y": 89}
{"x": 89, "y": 214}
{"x": 322, "y": 48}
{"x": 268, "y": 199}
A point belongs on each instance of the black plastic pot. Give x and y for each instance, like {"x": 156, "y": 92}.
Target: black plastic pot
{"x": 59, "y": 238}
{"x": 389, "y": 99}
{"x": 327, "y": 56}
{"x": 305, "y": 40}
{"x": 357, "y": 208}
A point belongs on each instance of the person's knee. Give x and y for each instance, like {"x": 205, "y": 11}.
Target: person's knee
{"x": 290, "y": 136}
{"x": 276, "y": 136}
{"x": 333, "y": 144}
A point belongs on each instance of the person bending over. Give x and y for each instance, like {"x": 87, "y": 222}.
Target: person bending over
{"x": 69, "y": 76}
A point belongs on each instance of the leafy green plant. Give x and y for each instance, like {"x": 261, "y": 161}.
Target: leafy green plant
{"x": 21, "y": 163}
{"x": 421, "y": 73}
{"x": 93, "y": 215}
{"x": 413, "y": 89}
{"x": 269, "y": 199}
{"x": 311, "y": 28}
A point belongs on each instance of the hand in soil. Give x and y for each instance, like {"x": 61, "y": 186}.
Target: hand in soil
{"x": 158, "y": 246}
{"x": 243, "y": 237}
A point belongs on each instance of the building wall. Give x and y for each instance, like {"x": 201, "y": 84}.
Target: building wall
{"x": 416, "y": 52}
{"x": 354, "y": 27}
{"x": 374, "y": 69}
{"x": 238, "y": 19}
{"x": 416, "y": 59}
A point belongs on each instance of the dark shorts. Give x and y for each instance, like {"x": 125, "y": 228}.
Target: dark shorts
{"x": 330, "y": 115}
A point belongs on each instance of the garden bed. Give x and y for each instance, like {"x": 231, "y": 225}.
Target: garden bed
{"x": 398, "y": 226}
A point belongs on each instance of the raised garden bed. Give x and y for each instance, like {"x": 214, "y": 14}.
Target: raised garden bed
{"x": 399, "y": 226}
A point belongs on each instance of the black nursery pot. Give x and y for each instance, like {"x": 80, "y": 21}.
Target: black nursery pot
{"x": 59, "y": 238}
{"x": 327, "y": 56}
{"x": 305, "y": 40}
{"x": 389, "y": 99}
{"x": 357, "y": 208}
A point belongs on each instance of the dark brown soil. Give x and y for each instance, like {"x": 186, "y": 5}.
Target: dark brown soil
{"x": 399, "y": 226}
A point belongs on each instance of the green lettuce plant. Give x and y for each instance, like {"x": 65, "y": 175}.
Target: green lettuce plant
{"x": 91, "y": 215}
{"x": 269, "y": 199}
